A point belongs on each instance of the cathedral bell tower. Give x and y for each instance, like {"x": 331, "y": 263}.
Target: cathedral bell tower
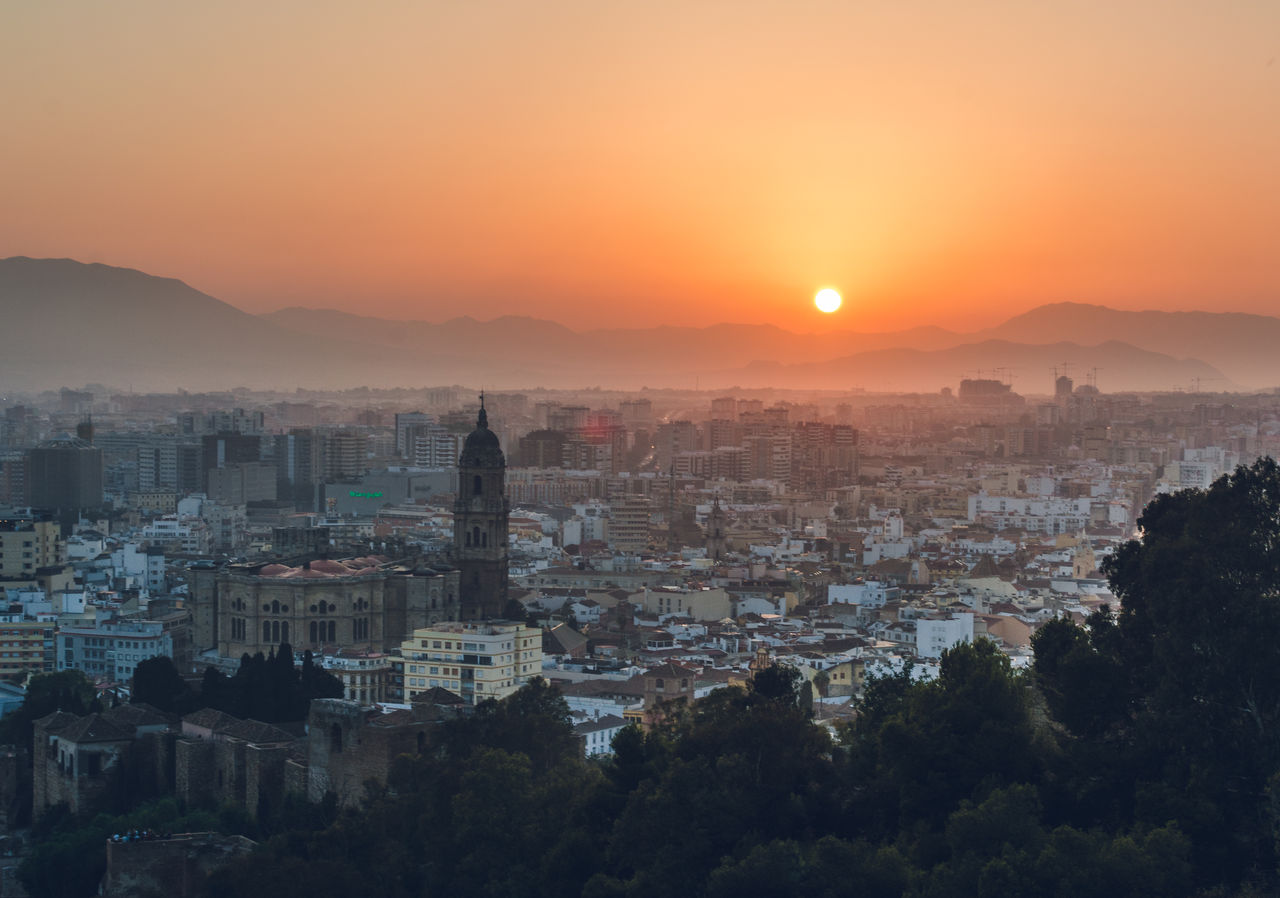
{"x": 480, "y": 524}
{"x": 716, "y": 542}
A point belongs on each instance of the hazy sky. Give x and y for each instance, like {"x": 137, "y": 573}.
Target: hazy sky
{"x": 610, "y": 163}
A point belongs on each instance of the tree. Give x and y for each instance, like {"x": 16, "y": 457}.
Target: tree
{"x": 1172, "y": 703}
{"x": 919, "y": 749}
{"x": 532, "y": 721}
{"x": 156, "y": 682}
{"x": 65, "y": 690}
{"x": 776, "y": 683}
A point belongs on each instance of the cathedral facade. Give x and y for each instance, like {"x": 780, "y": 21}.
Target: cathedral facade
{"x": 371, "y": 603}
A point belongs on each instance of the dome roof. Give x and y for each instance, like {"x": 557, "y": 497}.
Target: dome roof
{"x": 480, "y": 438}
{"x": 481, "y": 447}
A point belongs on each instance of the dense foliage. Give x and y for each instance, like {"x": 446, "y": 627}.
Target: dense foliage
{"x": 268, "y": 688}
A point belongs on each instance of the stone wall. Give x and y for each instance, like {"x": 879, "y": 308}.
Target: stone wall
{"x": 194, "y": 774}
{"x": 175, "y": 867}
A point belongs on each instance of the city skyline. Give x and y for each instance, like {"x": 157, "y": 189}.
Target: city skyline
{"x": 599, "y": 166}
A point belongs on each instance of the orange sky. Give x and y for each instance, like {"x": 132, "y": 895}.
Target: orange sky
{"x": 621, "y": 163}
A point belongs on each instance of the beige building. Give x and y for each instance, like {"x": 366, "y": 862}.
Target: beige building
{"x": 26, "y": 546}
{"x": 156, "y": 501}
{"x": 629, "y": 524}
{"x": 364, "y": 675}
{"x": 699, "y": 604}
{"x": 26, "y": 647}
{"x": 476, "y": 660}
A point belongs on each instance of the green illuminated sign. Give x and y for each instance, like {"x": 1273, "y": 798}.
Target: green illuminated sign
{"x": 356, "y": 494}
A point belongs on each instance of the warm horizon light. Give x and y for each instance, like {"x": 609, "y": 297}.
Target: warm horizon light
{"x": 827, "y": 300}
{"x": 607, "y": 165}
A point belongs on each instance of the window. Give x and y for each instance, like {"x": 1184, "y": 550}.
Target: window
{"x": 477, "y": 485}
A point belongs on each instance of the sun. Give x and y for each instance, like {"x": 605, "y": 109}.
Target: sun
{"x": 827, "y": 300}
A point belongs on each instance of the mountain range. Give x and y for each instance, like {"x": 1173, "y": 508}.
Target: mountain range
{"x": 69, "y": 323}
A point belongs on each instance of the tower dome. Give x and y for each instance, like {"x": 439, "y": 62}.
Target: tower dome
{"x": 481, "y": 448}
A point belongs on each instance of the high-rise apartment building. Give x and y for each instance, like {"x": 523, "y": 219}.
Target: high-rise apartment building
{"x": 629, "y": 524}
{"x": 64, "y": 478}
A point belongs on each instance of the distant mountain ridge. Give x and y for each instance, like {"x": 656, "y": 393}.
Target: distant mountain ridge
{"x": 67, "y": 323}
{"x": 1241, "y": 345}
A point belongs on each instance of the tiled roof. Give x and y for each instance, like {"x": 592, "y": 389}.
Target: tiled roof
{"x": 608, "y": 722}
{"x": 138, "y": 715}
{"x": 56, "y": 722}
{"x": 437, "y": 695}
{"x": 255, "y": 732}
{"x": 95, "y": 728}
{"x": 208, "y": 718}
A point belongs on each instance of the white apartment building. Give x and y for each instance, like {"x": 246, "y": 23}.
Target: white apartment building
{"x": 1042, "y": 515}
{"x": 476, "y": 660}
{"x": 935, "y": 635}
{"x": 871, "y": 594}
{"x": 111, "y": 649}
{"x": 189, "y": 535}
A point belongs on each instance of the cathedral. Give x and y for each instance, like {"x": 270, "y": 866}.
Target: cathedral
{"x": 369, "y": 603}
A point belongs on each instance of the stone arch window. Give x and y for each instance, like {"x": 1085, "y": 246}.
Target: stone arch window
{"x": 477, "y": 485}
{"x": 314, "y": 638}
{"x": 484, "y": 540}
{"x": 659, "y": 684}
{"x": 275, "y": 631}
{"x": 284, "y": 631}
{"x": 266, "y": 631}
{"x": 333, "y": 631}
{"x": 475, "y": 536}
{"x": 275, "y": 607}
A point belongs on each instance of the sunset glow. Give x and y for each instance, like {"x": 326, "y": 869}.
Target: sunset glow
{"x": 607, "y": 164}
{"x": 827, "y": 300}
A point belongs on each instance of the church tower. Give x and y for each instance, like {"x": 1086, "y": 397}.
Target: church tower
{"x": 716, "y": 541}
{"x": 480, "y": 524}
